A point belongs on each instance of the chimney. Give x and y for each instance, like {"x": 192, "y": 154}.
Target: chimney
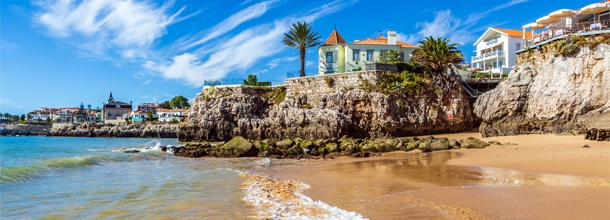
{"x": 392, "y": 37}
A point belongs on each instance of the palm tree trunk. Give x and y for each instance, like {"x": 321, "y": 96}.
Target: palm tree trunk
{"x": 302, "y": 50}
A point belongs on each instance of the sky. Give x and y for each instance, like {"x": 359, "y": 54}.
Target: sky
{"x": 59, "y": 53}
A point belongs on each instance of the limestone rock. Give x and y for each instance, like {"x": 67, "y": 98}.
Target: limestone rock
{"x": 237, "y": 147}
{"x": 471, "y": 142}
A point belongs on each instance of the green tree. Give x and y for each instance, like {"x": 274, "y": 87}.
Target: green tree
{"x": 7, "y": 115}
{"x": 89, "y": 106}
{"x": 151, "y": 115}
{"x": 179, "y": 102}
{"x": 251, "y": 81}
{"x": 28, "y": 117}
{"x": 437, "y": 54}
{"x": 48, "y": 120}
{"x": 23, "y": 117}
{"x": 165, "y": 105}
{"x": 390, "y": 56}
{"x": 301, "y": 37}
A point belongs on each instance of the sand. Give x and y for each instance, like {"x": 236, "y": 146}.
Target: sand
{"x": 542, "y": 177}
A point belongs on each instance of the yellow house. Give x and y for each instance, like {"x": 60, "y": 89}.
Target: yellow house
{"x": 338, "y": 56}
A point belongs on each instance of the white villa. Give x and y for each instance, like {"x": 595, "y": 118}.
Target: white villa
{"x": 167, "y": 115}
{"x": 496, "y": 50}
{"x": 338, "y": 56}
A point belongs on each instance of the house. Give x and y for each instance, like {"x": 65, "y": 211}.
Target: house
{"x": 114, "y": 109}
{"x": 167, "y": 115}
{"x": 338, "y": 56}
{"x": 136, "y": 116}
{"x": 145, "y": 107}
{"x": 42, "y": 114}
{"x": 496, "y": 50}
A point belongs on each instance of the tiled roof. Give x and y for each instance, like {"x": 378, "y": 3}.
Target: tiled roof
{"x": 171, "y": 110}
{"x": 334, "y": 39}
{"x": 381, "y": 40}
{"x": 515, "y": 33}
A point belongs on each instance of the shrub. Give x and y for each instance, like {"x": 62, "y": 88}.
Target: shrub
{"x": 330, "y": 81}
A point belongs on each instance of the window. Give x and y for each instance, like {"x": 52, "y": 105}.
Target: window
{"x": 356, "y": 55}
{"x": 518, "y": 46}
{"x": 402, "y": 57}
{"x": 329, "y": 57}
{"x": 500, "y": 64}
{"x": 383, "y": 53}
{"x": 369, "y": 55}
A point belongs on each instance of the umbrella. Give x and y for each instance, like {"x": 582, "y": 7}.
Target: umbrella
{"x": 562, "y": 13}
{"x": 547, "y": 20}
{"x": 533, "y": 26}
{"x": 594, "y": 8}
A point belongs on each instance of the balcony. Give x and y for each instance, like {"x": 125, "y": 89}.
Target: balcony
{"x": 490, "y": 55}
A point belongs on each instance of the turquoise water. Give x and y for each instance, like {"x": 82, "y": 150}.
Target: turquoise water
{"x": 90, "y": 178}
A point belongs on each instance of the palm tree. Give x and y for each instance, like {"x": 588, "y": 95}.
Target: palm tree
{"x": 301, "y": 37}
{"x": 437, "y": 54}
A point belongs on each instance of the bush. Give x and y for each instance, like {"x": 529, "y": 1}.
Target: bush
{"x": 330, "y": 81}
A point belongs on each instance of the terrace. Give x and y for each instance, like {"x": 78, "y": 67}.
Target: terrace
{"x": 590, "y": 20}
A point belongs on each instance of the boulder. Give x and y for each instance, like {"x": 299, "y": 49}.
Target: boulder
{"x": 237, "y": 147}
{"x": 471, "y": 142}
{"x": 494, "y": 142}
{"x": 285, "y": 144}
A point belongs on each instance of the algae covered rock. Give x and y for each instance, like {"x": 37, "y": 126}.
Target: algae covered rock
{"x": 471, "y": 142}
{"x": 194, "y": 150}
{"x": 494, "y": 142}
{"x": 285, "y": 144}
{"x": 237, "y": 147}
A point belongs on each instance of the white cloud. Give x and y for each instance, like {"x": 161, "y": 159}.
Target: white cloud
{"x": 308, "y": 63}
{"x": 147, "y": 82}
{"x": 125, "y": 26}
{"x": 276, "y": 62}
{"x": 216, "y": 59}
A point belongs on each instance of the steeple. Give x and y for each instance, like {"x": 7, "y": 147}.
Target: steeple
{"x": 110, "y": 99}
{"x": 334, "y": 39}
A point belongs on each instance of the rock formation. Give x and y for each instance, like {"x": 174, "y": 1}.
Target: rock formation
{"x": 551, "y": 94}
{"x": 139, "y": 130}
{"x": 221, "y": 113}
{"x": 322, "y": 148}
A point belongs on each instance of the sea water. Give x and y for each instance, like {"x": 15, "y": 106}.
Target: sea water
{"x": 91, "y": 178}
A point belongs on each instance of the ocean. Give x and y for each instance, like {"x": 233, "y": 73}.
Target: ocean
{"x": 92, "y": 178}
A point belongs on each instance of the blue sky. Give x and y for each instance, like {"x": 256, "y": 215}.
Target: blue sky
{"x": 62, "y": 53}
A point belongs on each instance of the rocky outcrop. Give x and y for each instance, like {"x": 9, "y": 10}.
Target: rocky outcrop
{"x": 323, "y": 148}
{"x": 139, "y": 130}
{"x": 595, "y": 134}
{"x": 561, "y": 93}
{"x": 219, "y": 114}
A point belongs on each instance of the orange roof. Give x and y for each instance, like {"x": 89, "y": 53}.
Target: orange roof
{"x": 515, "y": 33}
{"x": 171, "y": 110}
{"x": 334, "y": 39}
{"x": 381, "y": 40}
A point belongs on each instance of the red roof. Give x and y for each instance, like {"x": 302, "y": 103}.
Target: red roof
{"x": 334, "y": 39}
{"x": 381, "y": 40}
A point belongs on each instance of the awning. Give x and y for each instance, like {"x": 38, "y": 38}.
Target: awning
{"x": 594, "y": 8}
{"x": 562, "y": 13}
{"x": 546, "y": 20}
{"x": 533, "y": 26}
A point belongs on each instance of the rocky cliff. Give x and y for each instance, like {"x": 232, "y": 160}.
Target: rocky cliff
{"x": 139, "y": 130}
{"x": 325, "y": 107}
{"x": 550, "y": 93}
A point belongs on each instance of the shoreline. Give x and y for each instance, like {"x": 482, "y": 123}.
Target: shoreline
{"x": 547, "y": 176}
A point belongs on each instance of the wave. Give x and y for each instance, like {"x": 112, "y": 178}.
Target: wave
{"x": 274, "y": 199}
{"x": 33, "y": 171}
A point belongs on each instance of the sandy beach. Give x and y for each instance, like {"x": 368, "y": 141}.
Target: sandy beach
{"x": 541, "y": 177}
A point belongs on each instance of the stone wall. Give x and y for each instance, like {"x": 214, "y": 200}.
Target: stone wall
{"x": 317, "y": 85}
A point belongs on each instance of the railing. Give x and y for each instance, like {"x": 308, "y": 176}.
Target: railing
{"x": 493, "y": 54}
{"x": 578, "y": 28}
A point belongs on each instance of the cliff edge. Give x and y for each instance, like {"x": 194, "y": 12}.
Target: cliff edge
{"x": 550, "y": 92}
{"x": 329, "y": 107}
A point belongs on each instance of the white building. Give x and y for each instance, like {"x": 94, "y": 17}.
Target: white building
{"x": 338, "y": 56}
{"x": 496, "y": 50}
{"x": 168, "y": 115}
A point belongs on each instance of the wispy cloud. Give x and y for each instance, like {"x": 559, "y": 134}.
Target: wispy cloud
{"x": 8, "y": 46}
{"x": 276, "y": 62}
{"x": 216, "y": 59}
{"x": 126, "y": 27}
{"x": 460, "y": 31}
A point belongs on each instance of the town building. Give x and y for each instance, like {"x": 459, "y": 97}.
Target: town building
{"x": 338, "y": 56}
{"x": 42, "y": 114}
{"x": 113, "y": 110}
{"x": 145, "y": 107}
{"x": 136, "y": 116}
{"x": 496, "y": 50}
{"x": 167, "y": 115}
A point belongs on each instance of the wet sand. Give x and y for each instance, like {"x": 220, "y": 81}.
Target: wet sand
{"x": 542, "y": 177}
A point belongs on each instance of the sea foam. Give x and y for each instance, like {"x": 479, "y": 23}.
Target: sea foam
{"x": 276, "y": 199}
